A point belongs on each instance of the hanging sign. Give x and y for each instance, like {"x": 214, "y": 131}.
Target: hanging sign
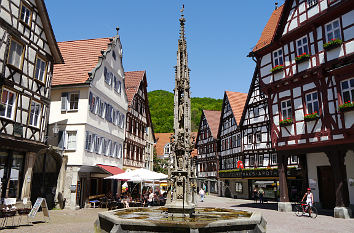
{"x": 40, "y": 202}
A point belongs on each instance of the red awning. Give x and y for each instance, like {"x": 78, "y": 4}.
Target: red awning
{"x": 111, "y": 169}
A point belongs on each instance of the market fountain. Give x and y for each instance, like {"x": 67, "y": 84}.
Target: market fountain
{"x": 180, "y": 213}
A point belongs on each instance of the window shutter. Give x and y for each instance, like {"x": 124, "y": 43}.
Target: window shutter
{"x": 87, "y": 141}
{"x": 91, "y": 102}
{"x": 64, "y": 101}
{"x": 61, "y": 139}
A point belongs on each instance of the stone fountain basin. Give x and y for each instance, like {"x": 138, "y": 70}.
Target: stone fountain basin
{"x": 156, "y": 219}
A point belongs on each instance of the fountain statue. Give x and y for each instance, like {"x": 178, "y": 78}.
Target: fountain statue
{"x": 180, "y": 214}
{"x": 182, "y": 172}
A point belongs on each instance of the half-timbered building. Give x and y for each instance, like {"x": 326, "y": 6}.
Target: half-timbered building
{"x": 229, "y": 135}
{"x": 28, "y": 50}
{"x": 89, "y": 107}
{"x": 305, "y": 65}
{"x": 139, "y": 138}
{"x": 207, "y": 160}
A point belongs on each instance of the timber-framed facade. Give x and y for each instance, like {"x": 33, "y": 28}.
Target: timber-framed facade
{"x": 305, "y": 62}
{"x": 28, "y": 50}
{"x": 207, "y": 160}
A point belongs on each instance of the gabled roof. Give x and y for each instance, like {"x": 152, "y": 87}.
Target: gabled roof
{"x": 213, "y": 119}
{"x": 80, "y": 56}
{"x": 48, "y": 30}
{"x": 270, "y": 29}
{"x": 237, "y": 102}
{"x": 132, "y": 83}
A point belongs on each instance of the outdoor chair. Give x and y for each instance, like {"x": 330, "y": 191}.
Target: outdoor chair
{"x": 9, "y": 211}
{"x": 24, "y": 211}
{"x": 103, "y": 202}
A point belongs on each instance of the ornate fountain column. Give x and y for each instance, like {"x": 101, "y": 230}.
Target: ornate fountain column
{"x": 182, "y": 174}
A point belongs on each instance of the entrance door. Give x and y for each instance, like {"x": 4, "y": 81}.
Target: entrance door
{"x": 326, "y": 187}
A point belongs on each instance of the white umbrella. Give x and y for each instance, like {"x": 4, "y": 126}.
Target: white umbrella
{"x": 139, "y": 175}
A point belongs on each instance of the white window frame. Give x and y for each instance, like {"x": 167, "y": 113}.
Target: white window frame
{"x": 32, "y": 121}
{"x": 349, "y": 90}
{"x": 66, "y": 99}
{"x": 286, "y": 110}
{"x": 278, "y": 59}
{"x": 311, "y": 103}
{"x": 302, "y": 46}
{"x": 256, "y": 111}
{"x": 332, "y": 30}
{"x": 258, "y": 137}
{"x": 167, "y": 149}
{"x": 15, "y": 59}
{"x": 89, "y": 141}
{"x": 250, "y": 138}
{"x": 40, "y": 71}
{"x": 9, "y": 107}
{"x": 25, "y": 14}
{"x": 67, "y": 141}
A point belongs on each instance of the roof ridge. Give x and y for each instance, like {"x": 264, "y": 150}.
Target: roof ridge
{"x": 85, "y": 39}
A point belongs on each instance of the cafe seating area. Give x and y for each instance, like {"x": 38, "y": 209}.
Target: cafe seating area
{"x": 12, "y": 213}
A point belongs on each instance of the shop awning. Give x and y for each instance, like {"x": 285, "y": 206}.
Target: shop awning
{"x": 111, "y": 169}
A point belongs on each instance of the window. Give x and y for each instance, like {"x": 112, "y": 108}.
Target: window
{"x": 114, "y": 55}
{"x": 260, "y": 160}
{"x": 302, "y": 46}
{"x": 35, "y": 114}
{"x": 108, "y": 76}
{"x": 294, "y": 159}
{"x": 67, "y": 140}
{"x": 250, "y": 137}
{"x": 238, "y": 140}
{"x": 286, "y": 109}
{"x": 274, "y": 159}
{"x": 97, "y": 145}
{"x": 258, "y": 137}
{"x": 311, "y": 3}
{"x": 312, "y": 103}
{"x": 333, "y": 30}
{"x": 167, "y": 149}
{"x": 89, "y": 141}
{"x": 40, "y": 70}
{"x": 8, "y": 99}
{"x": 256, "y": 111}
{"x": 348, "y": 90}
{"x": 69, "y": 101}
{"x": 252, "y": 161}
{"x": 26, "y": 14}
{"x": 238, "y": 187}
{"x": 15, "y": 54}
{"x": 278, "y": 57}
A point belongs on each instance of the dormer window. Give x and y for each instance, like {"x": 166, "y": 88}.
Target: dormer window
{"x": 278, "y": 57}
{"x": 26, "y": 14}
{"x": 167, "y": 149}
{"x": 302, "y": 46}
{"x": 311, "y": 3}
{"x": 333, "y": 30}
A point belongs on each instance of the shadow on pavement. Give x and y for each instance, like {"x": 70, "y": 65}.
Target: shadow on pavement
{"x": 266, "y": 206}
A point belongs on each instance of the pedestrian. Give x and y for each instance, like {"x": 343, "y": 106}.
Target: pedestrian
{"x": 151, "y": 198}
{"x": 260, "y": 195}
{"x": 255, "y": 193}
{"x": 202, "y": 194}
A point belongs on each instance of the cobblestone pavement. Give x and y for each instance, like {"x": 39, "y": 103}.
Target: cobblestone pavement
{"x": 80, "y": 221}
{"x": 279, "y": 222}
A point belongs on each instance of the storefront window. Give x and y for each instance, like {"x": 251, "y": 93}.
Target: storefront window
{"x": 3, "y": 161}
{"x": 16, "y": 175}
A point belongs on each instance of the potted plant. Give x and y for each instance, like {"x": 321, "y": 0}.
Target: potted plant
{"x": 302, "y": 57}
{"x": 346, "y": 107}
{"x": 334, "y": 43}
{"x": 286, "y": 122}
{"x": 277, "y": 68}
{"x": 311, "y": 116}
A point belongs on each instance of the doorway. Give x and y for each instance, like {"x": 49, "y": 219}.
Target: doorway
{"x": 326, "y": 187}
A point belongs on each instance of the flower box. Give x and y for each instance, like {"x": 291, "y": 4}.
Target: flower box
{"x": 346, "y": 107}
{"x": 286, "y": 122}
{"x": 301, "y": 58}
{"x": 311, "y": 116}
{"x": 334, "y": 43}
{"x": 277, "y": 68}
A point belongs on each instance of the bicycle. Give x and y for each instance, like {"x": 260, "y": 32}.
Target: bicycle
{"x": 302, "y": 209}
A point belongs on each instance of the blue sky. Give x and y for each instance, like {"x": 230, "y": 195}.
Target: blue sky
{"x": 219, "y": 34}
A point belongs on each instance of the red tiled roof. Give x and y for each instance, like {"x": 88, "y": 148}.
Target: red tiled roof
{"x": 213, "y": 119}
{"x": 237, "y": 102}
{"x": 269, "y": 30}
{"x": 111, "y": 169}
{"x": 132, "y": 83}
{"x": 80, "y": 57}
{"x": 164, "y": 138}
